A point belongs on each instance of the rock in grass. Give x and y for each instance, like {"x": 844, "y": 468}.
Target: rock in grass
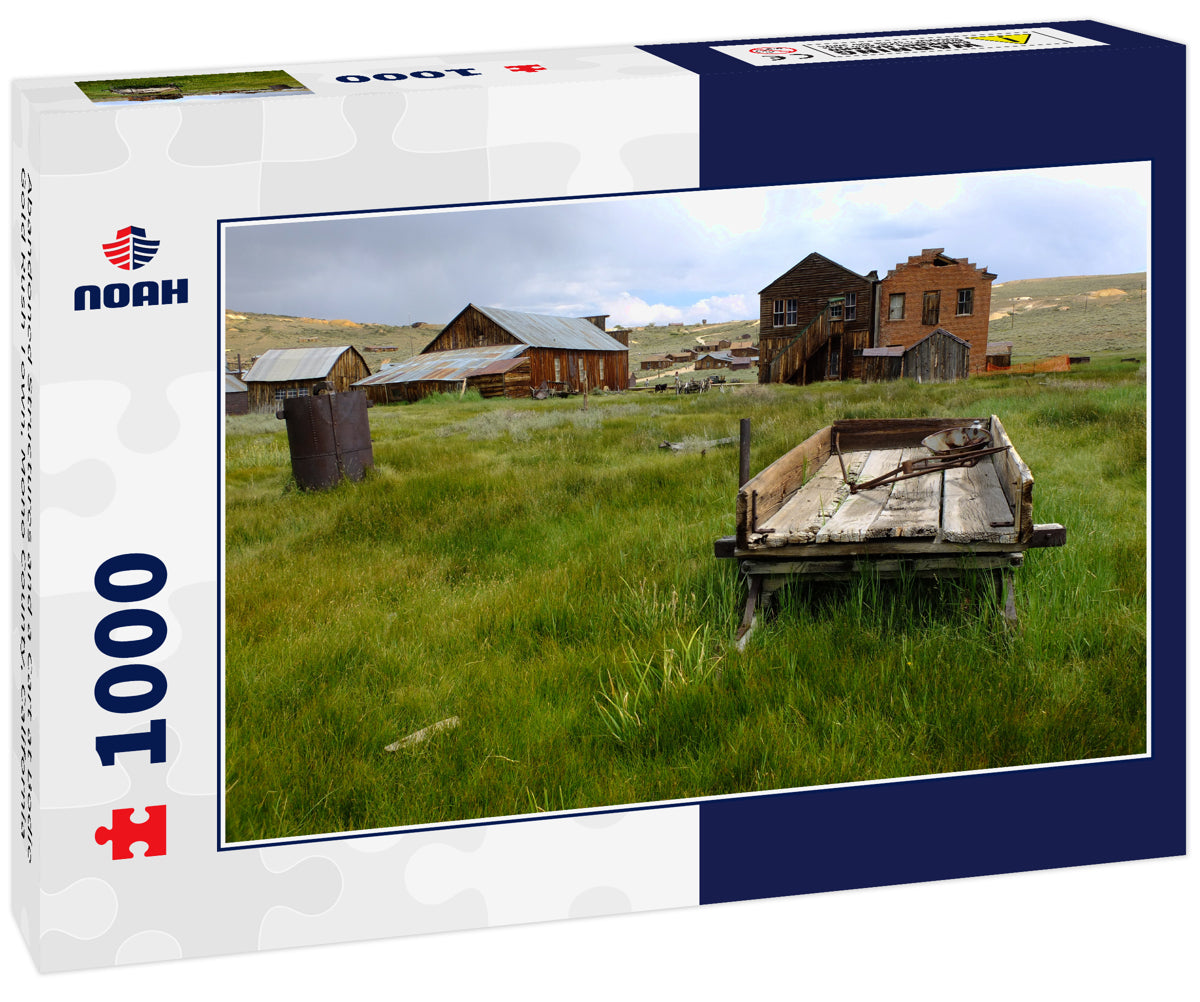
{"x": 416, "y": 737}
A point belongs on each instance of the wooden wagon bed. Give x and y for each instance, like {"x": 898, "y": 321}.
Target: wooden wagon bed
{"x": 798, "y": 517}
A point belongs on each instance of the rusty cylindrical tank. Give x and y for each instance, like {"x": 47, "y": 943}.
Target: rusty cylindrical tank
{"x": 329, "y": 438}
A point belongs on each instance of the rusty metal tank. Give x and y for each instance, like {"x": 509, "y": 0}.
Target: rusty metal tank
{"x": 329, "y": 438}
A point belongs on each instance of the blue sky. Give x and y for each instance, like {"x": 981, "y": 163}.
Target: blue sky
{"x": 687, "y": 257}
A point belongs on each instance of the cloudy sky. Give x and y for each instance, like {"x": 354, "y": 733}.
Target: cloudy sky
{"x": 688, "y": 257}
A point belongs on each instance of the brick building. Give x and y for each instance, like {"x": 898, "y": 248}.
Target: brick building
{"x": 932, "y": 290}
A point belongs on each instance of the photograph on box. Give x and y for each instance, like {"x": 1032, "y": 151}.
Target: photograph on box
{"x": 580, "y": 504}
{"x": 192, "y": 87}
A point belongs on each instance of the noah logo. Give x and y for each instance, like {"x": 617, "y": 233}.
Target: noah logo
{"x": 131, "y": 250}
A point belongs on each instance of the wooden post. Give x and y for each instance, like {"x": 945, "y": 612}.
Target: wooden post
{"x": 744, "y": 452}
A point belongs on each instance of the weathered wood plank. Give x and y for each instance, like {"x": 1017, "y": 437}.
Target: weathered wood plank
{"x": 914, "y": 508}
{"x": 1048, "y": 534}
{"x": 891, "y": 433}
{"x": 761, "y": 496}
{"x": 853, "y": 519}
{"x": 899, "y": 546}
{"x": 802, "y": 515}
{"x": 1015, "y": 479}
{"x": 886, "y": 566}
{"x": 974, "y": 507}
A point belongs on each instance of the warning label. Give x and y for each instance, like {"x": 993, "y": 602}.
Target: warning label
{"x": 790, "y": 53}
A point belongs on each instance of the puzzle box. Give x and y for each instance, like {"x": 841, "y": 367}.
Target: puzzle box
{"x": 155, "y": 541}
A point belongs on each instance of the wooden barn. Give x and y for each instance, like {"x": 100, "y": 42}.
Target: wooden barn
{"x": 814, "y": 322}
{"x": 743, "y": 348}
{"x": 237, "y": 395}
{"x": 295, "y": 372}
{"x": 939, "y": 357}
{"x": 494, "y": 370}
{"x": 572, "y": 352}
{"x": 932, "y": 290}
{"x": 657, "y": 362}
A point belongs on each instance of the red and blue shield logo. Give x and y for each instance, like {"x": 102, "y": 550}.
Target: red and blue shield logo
{"x": 131, "y": 250}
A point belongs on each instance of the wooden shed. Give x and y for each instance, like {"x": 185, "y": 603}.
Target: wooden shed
{"x": 939, "y": 357}
{"x": 999, "y": 355}
{"x": 295, "y": 372}
{"x": 237, "y": 395}
{"x": 493, "y": 370}
{"x": 656, "y": 362}
{"x": 570, "y": 351}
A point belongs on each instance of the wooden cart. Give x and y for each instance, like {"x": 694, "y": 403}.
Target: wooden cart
{"x": 799, "y": 518}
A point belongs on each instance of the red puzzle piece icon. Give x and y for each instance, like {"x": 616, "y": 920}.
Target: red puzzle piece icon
{"x": 124, "y": 832}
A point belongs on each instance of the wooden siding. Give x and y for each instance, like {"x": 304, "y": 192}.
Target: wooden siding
{"x": 812, "y": 283}
{"x": 237, "y": 402}
{"x": 347, "y": 370}
{"x": 937, "y": 359}
{"x": 473, "y": 329}
{"x": 601, "y": 368}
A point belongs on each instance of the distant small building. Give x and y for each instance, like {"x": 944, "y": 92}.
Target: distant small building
{"x": 714, "y": 360}
{"x": 656, "y": 362}
{"x": 742, "y": 348}
{"x": 296, "y": 372}
{"x": 237, "y": 395}
{"x": 999, "y": 355}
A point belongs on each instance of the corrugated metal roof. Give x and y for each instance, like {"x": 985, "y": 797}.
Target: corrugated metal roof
{"x": 283, "y": 364}
{"x": 539, "y": 331}
{"x": 461, "y": 363}
{"x": 233, "y": 384}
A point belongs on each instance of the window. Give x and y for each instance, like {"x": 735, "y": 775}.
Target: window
{"x": 792, "y": 310}
{"x": 557, "y": 369}
{"x": 896, "y": 306}
{"x": 966, "y": 302}
{"x": 851, "y": 310}
{"x": 778, "y": 312}
{"x": 286, "y": 393}
{"x": 835, "y": 308}
{"x": 930, "y": 308}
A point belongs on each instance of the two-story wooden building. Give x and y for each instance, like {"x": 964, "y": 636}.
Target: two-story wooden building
{"x": 799, "y": 298}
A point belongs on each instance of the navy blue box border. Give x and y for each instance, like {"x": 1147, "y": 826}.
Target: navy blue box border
{"x": 943, "y": 827}
{"x": 994, "y": 822}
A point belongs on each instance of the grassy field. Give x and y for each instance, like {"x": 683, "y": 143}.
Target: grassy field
{"x": 544, "y": 573}
{"x": 196, "y": 85}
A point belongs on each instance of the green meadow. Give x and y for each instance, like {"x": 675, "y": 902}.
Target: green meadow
{"x": 544, "y": 573}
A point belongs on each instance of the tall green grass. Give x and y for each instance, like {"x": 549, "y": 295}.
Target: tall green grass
{"x": 545, "y": 573}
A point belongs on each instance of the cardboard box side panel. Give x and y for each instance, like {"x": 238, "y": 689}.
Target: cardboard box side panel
{"x": 24, "y": 194}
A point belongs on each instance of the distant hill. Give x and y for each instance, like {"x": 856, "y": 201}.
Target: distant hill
{"x": 251, "y": 334}
{"x": 1075, "y": 315}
